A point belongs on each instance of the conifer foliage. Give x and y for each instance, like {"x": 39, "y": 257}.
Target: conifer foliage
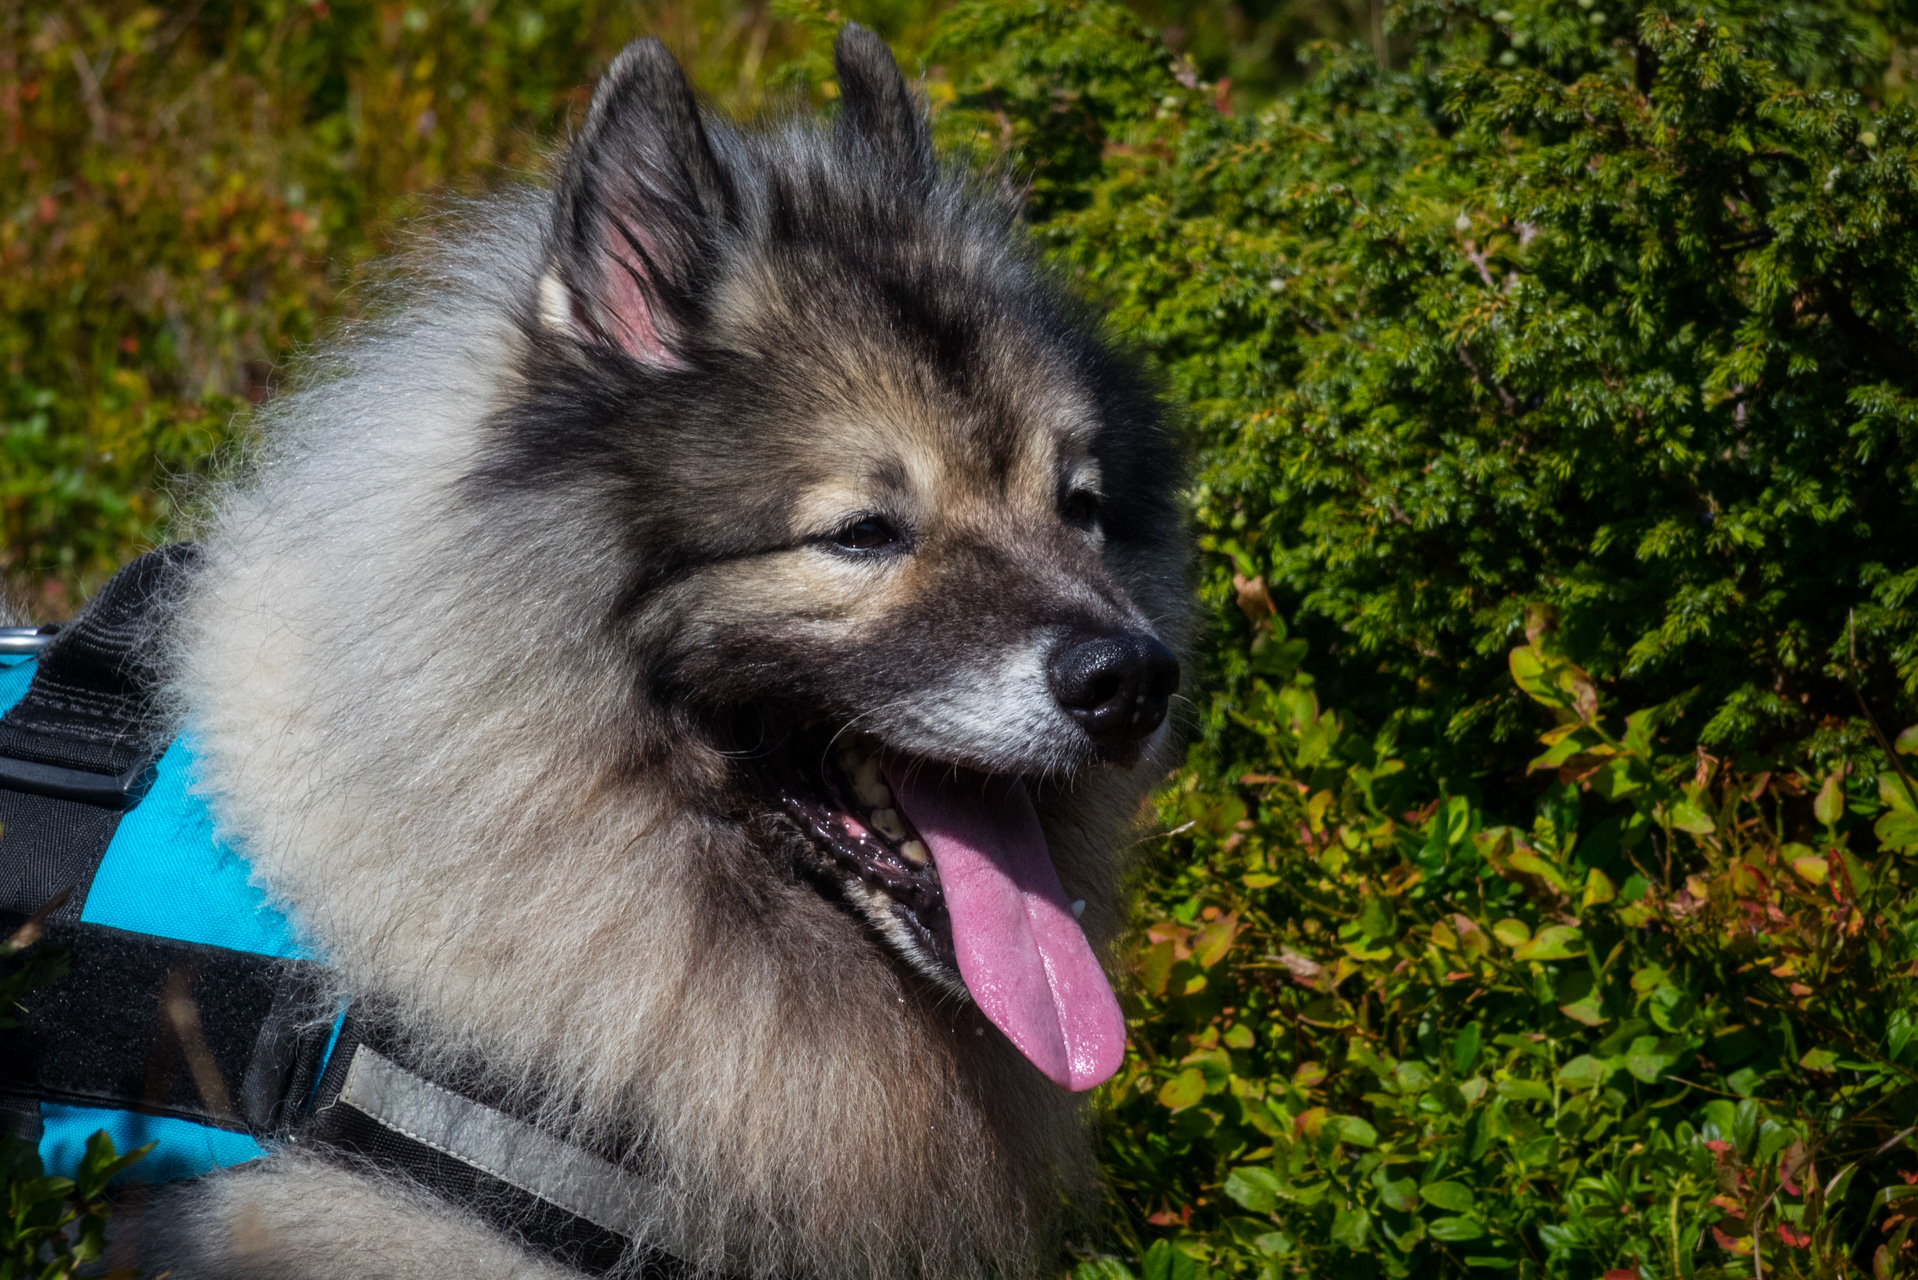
{"x": 1537, "y": 899}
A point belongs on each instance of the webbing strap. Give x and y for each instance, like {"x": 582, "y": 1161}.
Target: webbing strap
{"x": 217, "y": 1037}
{"x": 198, "y": 1033}
{"x": 568, "y": 1203}
{"x": 78, "y": 750}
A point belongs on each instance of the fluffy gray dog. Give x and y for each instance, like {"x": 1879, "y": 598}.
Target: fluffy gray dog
{"x": 694, "y": 669}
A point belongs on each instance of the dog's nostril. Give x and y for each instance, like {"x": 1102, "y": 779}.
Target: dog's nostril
{"x": 1116, "y": 684}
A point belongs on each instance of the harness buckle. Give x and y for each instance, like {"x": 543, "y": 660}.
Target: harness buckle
{"x": 119, "y": 791}
{"x": 26, "y": 641}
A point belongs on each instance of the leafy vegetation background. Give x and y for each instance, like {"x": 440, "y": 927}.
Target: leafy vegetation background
{"x": 1537, "y": 896}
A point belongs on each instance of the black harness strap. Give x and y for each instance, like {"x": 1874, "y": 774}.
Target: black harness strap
{"x": 78, "y": 751}
{"x": 371, "y": 1106}
{"x": 218, "y": 1037}
{"x": 200, "y": 1033}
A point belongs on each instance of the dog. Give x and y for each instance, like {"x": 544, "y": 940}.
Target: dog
{"x": 700, "y": 659}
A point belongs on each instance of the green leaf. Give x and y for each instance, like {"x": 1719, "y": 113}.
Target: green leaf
{"x": 1907, "y": 742}
{"x": 1273, "y": 1243}
{"x": 1512, "y": 932}
{"x": 1687, "y": 816}
{"x": 1165, "y": 1262}
{"x": 1278, "y": 659}
{"x": 1102, "y": 1269}
{"x": 1453, "y": 1197}
{"x": 1353, "y": 1130}
{"x": 1183, "y": 1090}
{"x": 1561, "y": 751}
{"x": 1455, "y": 1230}
{"x": 1891, "y": 789}
{"x": 1823, "y": 1060}
{"x": 1619, "y": 778}
{"x": 1829, "y": 807}
{"x": 1648, "y": 1058}
{"x": 1155, "y": 966}
{"x": 1530, "y": 863}
{"x": 1254, "y": 1188}
{"x": 1891, "y": 1195}
{"x": 100, "y": 1164}
{"x": 1401, "y": 1194}
{"x": 1376, "y": 919}
{"x": 1525, "y": 1090}
{"x": 1587, "y": 1009}
{"x": 1585, "y": 1072}
{"x": 1813, "y": 869}
{"x": 1350, "y": 1228}
{"x": 1638, "y": 731}
{"x": 1555, "y": 682}
{"x": 1530, "y": 673}
{"x": 1554, "y": 942}
{"x": 1896, "y": 830}
{"x": 1465, "y": 1048}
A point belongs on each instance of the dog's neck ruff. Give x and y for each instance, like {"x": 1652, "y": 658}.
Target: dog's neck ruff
{"x": 192, "y": 1016}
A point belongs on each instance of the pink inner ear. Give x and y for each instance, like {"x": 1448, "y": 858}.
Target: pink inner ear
{"x": 628, "y": 312}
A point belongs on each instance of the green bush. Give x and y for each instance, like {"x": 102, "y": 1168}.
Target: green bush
{"x": 1569, "y": 368}
{"x": 192, "y": 194}
{"x": 1471, "y": 337}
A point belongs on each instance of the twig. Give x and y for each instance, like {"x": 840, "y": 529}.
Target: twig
{"x": 90, "y": 91}
{"x": 1851, "y": 672}
{"x": 1476, "y": 256}
{"x": 1894, "y": 1139}
{"x": 1511, "y": 404}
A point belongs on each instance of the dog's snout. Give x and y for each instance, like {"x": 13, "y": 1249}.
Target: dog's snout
{"x": 1116, "y": 683}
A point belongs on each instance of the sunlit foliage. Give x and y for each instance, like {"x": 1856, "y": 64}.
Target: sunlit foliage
{"x": 1553, "y": 402}
{"x": 1537, "y": 898}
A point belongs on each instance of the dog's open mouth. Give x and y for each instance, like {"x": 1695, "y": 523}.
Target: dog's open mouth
{"x": 872, "y": 853}
{"x": 951, "y": 868}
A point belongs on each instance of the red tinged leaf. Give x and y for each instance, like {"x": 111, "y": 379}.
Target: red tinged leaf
{"x": 1732, "y": 1244}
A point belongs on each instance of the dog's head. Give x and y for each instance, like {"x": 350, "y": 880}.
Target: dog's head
{"x": 900, "y": 525}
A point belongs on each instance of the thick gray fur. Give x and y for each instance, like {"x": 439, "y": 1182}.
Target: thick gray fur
{"x": 471, "y": 636}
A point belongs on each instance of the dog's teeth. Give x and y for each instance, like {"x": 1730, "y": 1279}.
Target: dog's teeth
{"x": 886, "y": 823}
{"x": 917, "y": 853}
{"x": 869, "y": 786}
{"x": 1078, "y": 908}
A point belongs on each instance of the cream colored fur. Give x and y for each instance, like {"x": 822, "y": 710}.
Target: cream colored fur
{"x": 298, "y": 1216}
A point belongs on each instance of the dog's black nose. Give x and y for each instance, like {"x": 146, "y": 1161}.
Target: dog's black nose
{"x": 1116, "y": 684}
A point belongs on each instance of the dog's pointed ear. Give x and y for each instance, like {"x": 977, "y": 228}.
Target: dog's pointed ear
{"x": 641, "y": 198}
{"x": 877, "y": 111}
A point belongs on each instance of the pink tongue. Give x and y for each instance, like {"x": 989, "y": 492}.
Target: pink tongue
{"x": 1021, "y": 951}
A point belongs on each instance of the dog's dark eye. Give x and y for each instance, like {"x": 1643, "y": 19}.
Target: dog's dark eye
{"x": 868, "y": 533}
{"x": 1081, "y": 507}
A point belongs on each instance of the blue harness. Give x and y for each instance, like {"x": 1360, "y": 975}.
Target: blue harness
{"x": 192, "y": 1016}
{"x": 164, "y": 874}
